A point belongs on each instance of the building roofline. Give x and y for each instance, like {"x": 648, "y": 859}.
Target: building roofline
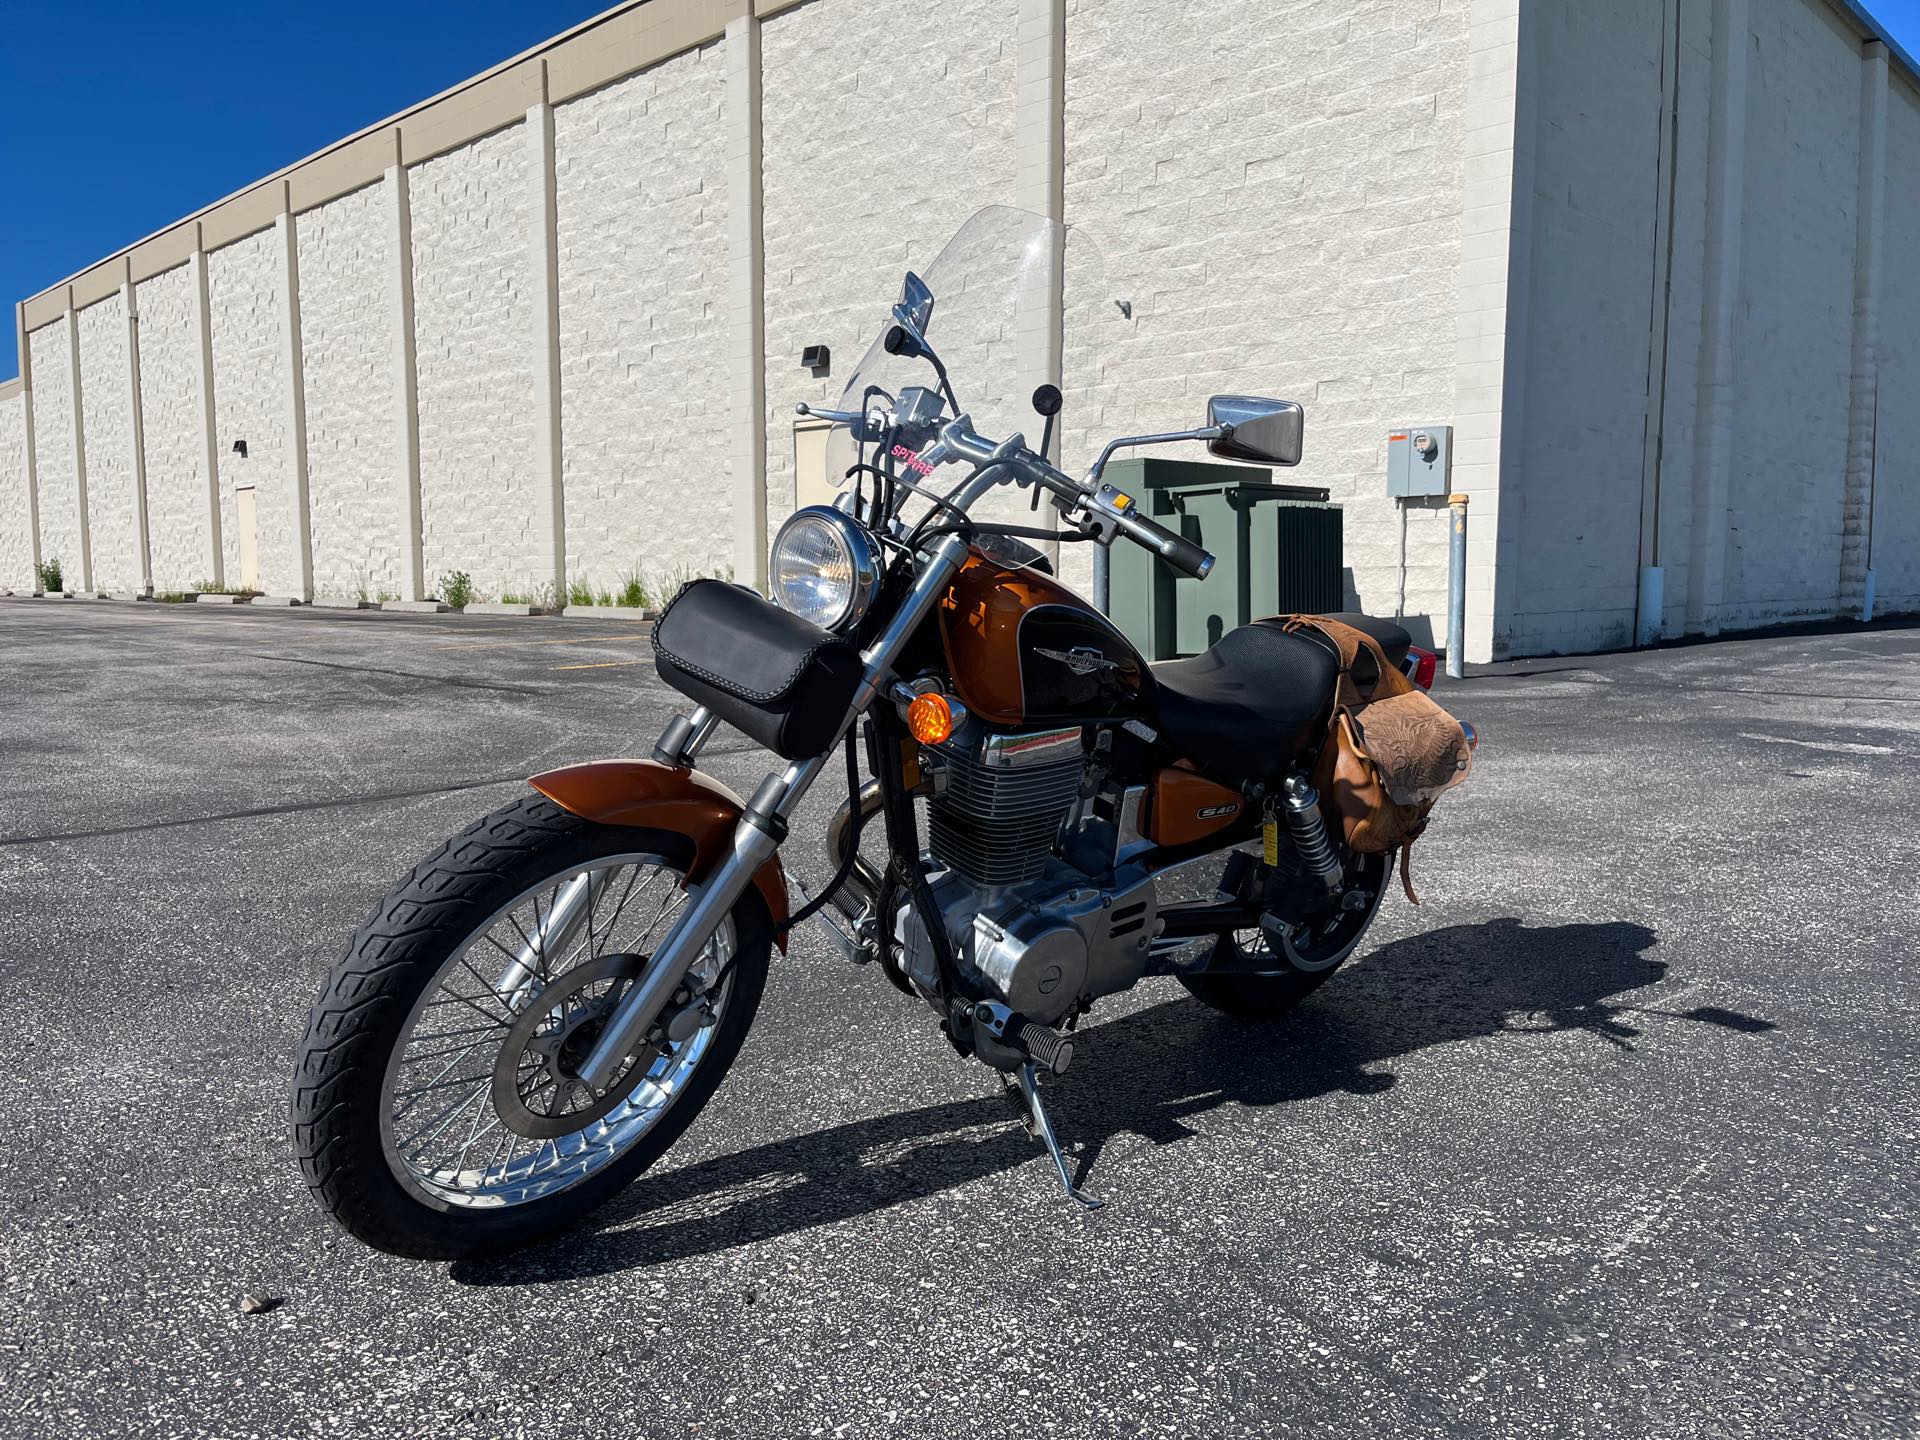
{"x": 632, "y": 36}
{"x": 623, "y": 40}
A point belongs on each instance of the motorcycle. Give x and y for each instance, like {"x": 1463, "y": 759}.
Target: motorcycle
{"x": 542, "y": 1006}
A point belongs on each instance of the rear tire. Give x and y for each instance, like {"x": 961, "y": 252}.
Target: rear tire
{"x": 367, "y": 1010}
{"x": 1270, "y": 994}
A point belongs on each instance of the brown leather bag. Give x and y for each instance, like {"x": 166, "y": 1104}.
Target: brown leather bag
{"x": 1390, "y": 750}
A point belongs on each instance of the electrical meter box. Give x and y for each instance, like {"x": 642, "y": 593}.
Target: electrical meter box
{"x": 1419, "y": 460}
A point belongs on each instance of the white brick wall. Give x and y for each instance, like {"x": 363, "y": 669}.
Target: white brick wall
{"x": 356, "y": 480}
{"x": 16, "y": 546}
{"x": 1279, "y": 195}
{"x": 53, "y": 450}
{"x": 250, "y": 388}
{"x": 886, "y": 124}
{"x": 474, "y": 329}
{"x": 1588, "y": 343}
{"x": 1793, "y": 332}
{"x": 1321, "y": 201}
{"x": 105, "y": 405}
{"x": 639, "y": 171}
{"x": 1896, "y": 523}
{"x": 170, "y": 418}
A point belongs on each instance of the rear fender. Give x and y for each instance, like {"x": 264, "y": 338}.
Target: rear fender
{"x": 666, "y": 797}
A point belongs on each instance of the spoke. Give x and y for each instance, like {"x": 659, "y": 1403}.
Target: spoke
{"x": 632, "y": 879}
{"x": 414, "y": 1057}
{"x": 507, "y": 1138}
{"x": 474, "y": 1132}
{"x": 488, "y": 937}
{"x": 445, "y": 1071}
{"x": 539, "y": 955}
{"x": 593, "y": 950}
{"x": 455, "y": 997}
{"x": 493, "y": 991}
{"x": 672, "y": 901}
{"x": 444, "y": 1084}
{"x": 439, "y": 1123}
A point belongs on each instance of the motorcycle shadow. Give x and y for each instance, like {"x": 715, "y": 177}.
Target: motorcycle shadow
{"x": 1147, "y": 1073}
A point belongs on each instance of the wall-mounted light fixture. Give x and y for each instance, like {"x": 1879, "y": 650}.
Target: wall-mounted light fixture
{"x": 818, "y": 359}
{"x": 240, "y": 448}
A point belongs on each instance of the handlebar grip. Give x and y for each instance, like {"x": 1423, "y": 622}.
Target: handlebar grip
{"x": 1171, "y": 546}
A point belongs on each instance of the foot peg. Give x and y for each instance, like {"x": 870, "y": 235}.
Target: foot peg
{"x": 1042, "y": 1129}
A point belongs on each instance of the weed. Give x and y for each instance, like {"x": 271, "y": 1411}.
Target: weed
{"x": 47, "y": 572}
{"x": 456, "y": 589}
{"x": 386, "y": 595}
{"x": 579, "y": 593}
{"x": 633, "y": 591}
{"x": 207, "y": 587}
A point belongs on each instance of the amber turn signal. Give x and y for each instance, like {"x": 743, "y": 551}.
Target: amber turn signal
{"x": 930, "y": 718}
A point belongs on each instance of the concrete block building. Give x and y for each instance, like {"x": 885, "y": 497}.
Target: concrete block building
{"x": 1655, "y": 262}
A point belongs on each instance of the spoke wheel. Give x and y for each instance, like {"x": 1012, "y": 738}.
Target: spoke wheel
{"x": 513, "y": 999}
{"x": 439, "y": 1109}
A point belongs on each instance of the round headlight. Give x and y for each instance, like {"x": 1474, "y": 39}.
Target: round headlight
{"x": 824, "y": 567}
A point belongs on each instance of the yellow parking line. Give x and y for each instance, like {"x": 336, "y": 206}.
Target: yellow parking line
{"x": 603, "y": 665}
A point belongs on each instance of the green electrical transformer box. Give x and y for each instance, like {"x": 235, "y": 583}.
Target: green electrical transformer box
{"x": 1277, "y": 550}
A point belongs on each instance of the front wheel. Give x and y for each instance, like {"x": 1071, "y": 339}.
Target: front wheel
{"x": 436, "y": 1109}
{"x": 1322, "y": 945}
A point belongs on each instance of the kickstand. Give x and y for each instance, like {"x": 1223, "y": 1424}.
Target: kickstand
{"x": 1042, "y": 1129}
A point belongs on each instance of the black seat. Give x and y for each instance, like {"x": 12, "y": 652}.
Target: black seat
{"x": 1251, "y": 703}
{"x": 1391, "y": 635}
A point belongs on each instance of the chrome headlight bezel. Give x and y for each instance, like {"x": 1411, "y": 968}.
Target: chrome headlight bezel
{"x": 850, "y": 543}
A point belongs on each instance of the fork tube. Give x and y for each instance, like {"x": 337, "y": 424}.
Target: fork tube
{"x": 685, "y": 736}
{"x": 762, "y": 826}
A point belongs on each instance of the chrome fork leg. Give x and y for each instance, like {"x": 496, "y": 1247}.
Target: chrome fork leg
{"x": 754, "y": 842}
{"x": 1030, "y": 1089}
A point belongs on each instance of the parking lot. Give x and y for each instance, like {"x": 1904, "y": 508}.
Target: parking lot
{"x": 1614, "y": 1135}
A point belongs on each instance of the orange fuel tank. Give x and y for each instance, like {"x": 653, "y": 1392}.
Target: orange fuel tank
{"x": 1024, "y": 649}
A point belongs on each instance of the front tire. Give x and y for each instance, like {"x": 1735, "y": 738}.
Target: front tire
{"x": 433, "y": 965}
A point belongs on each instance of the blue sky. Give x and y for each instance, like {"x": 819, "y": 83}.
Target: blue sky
{"x": 158, "y": 109}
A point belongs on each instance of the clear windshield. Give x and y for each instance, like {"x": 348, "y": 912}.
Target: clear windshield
{"x": 995, "y": 326}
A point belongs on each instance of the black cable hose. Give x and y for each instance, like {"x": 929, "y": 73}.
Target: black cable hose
{"x": 847, "y": 861}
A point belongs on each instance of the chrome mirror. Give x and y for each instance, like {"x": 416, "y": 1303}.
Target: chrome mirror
{"x": 916, "y": 306}
{"x": 1255, "y": 429}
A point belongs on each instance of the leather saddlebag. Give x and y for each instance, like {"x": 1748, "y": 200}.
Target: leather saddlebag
{"x": 1390, "y": 751}
{"x": 782, "y": 681}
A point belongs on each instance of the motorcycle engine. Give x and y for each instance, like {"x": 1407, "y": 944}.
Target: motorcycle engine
{"x": 1025, "y": 927}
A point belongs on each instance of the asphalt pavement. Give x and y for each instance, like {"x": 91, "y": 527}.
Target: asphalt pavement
{"x": 1615, "y": 1135}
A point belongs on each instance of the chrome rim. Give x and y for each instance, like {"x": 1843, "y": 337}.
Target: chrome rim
{"x": 440, "y": 1126}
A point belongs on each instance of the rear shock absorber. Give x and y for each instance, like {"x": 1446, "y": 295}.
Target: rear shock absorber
{"x": 1300, "y": 805}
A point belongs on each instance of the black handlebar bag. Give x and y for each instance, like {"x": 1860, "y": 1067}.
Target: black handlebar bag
{"x": 782, "y": 681}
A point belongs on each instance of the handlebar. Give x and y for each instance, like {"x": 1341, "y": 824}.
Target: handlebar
{"x": 1106, "y": 510}
{"x": 1171, "y": 546}
{"x": 1117, "y": 507}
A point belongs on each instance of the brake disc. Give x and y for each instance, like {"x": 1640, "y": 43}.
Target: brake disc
{"x": 537, "y": 1089}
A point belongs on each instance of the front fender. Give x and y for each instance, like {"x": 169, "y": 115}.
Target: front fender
{"x": 666, "y": 797}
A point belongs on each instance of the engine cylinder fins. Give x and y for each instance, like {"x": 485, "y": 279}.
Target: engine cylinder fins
{"x": 996, "y": 823}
